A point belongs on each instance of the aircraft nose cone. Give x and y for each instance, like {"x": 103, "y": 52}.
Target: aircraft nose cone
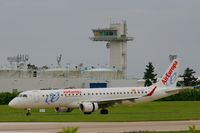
{"x": 12, "y": 103}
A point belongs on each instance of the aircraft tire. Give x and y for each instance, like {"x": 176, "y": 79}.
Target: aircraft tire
{"x": 28, "y": 114}
{"x": 87, "y": 113}
{"x": 104, "y": 112}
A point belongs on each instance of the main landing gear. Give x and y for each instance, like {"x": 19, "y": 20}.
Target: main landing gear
{"x": 87, "y": 113}
{"x": 28, "y": 112}
{"x": 104, "y": 112}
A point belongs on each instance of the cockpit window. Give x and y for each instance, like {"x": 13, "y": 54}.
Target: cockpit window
{"x": 25, "y": 95}
{"x": 22, "y": 95}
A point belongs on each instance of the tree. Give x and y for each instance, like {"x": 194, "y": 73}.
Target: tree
{"x": 33, "y": 67}
{"x": 149, "y": 75}
{"x": 45, "y": 67}
{"x": 6, "y": 97}
{"x": 188, "y": 78}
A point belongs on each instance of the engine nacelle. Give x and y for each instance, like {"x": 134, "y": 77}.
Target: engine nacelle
{"x": 63, "y": 109}
{"x": 88, "y": 107}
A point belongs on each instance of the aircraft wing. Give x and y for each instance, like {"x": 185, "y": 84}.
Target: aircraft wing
{"x": 111, "y": 101}
{"x": 128, "y": 98}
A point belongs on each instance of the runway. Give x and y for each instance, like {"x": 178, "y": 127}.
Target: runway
{"x": 96, "y": 127}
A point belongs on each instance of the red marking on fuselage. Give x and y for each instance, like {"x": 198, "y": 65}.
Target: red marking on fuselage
{"x": 72, "y": 92}
{"x": 151, "y": 93}
{"x": 169, "y": 73}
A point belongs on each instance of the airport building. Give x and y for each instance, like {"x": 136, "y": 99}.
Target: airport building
{"x": 20, "y": 76}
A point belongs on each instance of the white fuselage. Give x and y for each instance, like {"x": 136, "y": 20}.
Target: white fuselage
{"x": 73, "y": 97}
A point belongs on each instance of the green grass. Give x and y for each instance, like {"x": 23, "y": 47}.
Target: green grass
{"x": 154, "y": 111}
{"x": 69, "y": 130}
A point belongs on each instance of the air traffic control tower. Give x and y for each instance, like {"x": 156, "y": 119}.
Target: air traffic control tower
{"x": 116, "y": 38}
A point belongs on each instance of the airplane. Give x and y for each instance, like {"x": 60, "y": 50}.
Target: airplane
{"x": 91, "y": 99}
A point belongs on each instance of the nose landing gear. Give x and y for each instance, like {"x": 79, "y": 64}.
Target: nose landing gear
{"x": 28, "y": 112}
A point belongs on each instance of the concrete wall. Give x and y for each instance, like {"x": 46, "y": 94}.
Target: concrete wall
{"x": 8, "y": 85}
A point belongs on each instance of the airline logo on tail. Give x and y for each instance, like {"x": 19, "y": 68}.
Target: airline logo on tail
{"x": 170, "y": 74}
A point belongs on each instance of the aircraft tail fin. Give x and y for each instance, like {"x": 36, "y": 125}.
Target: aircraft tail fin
{"x": 169, "y": 79}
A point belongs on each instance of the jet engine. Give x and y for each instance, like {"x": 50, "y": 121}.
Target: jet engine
{"x": 63, "y": 109}
{"x": 88, "y": 107}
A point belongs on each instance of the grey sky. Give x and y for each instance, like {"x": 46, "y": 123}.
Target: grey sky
{"x": 45, "y": 28}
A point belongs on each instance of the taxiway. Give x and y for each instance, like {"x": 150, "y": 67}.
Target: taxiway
{"x": 97, "y": 127}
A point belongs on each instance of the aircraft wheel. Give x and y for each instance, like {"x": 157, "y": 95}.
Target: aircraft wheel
{"x": 104, "y": 112}
{"x": 87, "y": 113}
{"x": 29, "y": 112}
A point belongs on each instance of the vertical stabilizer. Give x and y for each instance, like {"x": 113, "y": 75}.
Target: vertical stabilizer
{"x": 169, "y": 79}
